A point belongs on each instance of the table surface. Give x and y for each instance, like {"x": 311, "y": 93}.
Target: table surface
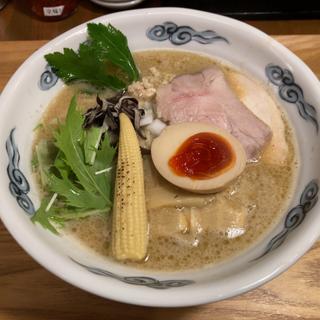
{"x": 27, "y": 291}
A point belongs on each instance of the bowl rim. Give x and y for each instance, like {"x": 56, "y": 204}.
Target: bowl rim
{"x": 71, "y": 275}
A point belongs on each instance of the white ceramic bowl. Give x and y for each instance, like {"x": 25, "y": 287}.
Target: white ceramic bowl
{"x": 298, "y": 90}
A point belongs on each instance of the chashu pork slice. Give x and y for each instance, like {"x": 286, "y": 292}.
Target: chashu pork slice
{"x": 207, "y": 97}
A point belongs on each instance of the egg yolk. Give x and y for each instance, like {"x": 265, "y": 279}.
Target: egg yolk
{"x": 202, "y": 156}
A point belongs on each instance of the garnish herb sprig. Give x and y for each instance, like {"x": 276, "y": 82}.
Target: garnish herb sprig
{"x": 106, "y": 47}
{"x": 79, "y": 188}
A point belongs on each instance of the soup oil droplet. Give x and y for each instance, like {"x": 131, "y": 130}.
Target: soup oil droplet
{"x": 202, "y": 156}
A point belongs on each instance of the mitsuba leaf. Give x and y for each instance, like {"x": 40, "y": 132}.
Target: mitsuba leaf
{"x": 112, "y": 44}
{"x": 106, "y": 46}
{"x": 84, "y": 65}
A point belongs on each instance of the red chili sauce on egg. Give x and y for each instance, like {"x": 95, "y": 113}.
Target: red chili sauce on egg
{"x": 202, "y": 156}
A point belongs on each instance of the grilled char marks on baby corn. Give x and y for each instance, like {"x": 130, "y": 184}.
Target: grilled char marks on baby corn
{"x": 130, "y": 227}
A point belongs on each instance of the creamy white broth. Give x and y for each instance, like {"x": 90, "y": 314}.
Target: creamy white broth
{"x": 189, "y": 230}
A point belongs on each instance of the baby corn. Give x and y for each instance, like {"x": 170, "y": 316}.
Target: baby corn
{"x": 130, "y": 227}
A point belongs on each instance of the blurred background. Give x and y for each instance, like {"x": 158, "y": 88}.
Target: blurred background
{"x": 21, "y": 19}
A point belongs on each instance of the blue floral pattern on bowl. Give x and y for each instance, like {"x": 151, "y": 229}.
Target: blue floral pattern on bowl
{"x": 291, "y": 92}
{"x": 47, "y": 79}
{"x": 138, "y": 280}
{"x": 179, "y": 35}
{"x": 18, "y": 185}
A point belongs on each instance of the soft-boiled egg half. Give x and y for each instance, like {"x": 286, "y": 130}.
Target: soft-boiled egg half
{"x": 198, "y": 157}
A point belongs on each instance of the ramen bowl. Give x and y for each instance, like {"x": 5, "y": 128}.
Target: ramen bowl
{"x": 293, "y": 84}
